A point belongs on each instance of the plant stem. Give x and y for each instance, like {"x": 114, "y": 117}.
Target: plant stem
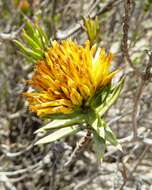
{"x": 84, "y": 141}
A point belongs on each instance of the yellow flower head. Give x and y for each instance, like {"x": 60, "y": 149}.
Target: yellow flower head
{"x": 68, "y": 76}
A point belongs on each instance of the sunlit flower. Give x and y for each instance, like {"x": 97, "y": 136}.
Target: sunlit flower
{"x": 68, "y": 76}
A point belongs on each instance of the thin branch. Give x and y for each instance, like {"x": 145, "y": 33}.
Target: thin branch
{"x": 135, "y": 167}
{"x": 136, "y": 108}
{"x": 146, "y": 76}
{"x": 4, "y": 179}
{"x": 10, "y": 36}
{"x": 79, "y": 148}
{"x": 127, "y": 9}
{"x": 143, "y": 76}
{"x": 15, "y": 154}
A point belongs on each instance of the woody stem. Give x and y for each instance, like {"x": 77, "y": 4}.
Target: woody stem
{"x": 84, "y": 141}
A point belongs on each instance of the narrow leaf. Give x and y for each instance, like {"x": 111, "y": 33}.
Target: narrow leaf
{"x": 56, "y": 124}
{"x": 111, "y": 98}
{"x": 98, "y": 126}
{"x": 28, "y": 51}
{"x": 29, "y": 28}
{"x": 44, "y": 38}
{"x": 29, "y": 40}
{"x": 61, "y": 133}
{"x": 110, "y": 136}
{"x": 99, "y": 146}
{"x": 100, "y": 97}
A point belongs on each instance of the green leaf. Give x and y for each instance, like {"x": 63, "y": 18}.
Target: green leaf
{"x": 100, "y": 97}
{"x": 37, "y": 34}
{"x": 38, "y": 37}
{"x": 98, "y": 126}
{"x": 110, "y": 136}
{"x": 29, "y": 59}
{"x": 44, "y": 38}
{"x": 28, "y": 51}
{"x": 32, "y": 31}
{"x": 29, "y": 40}
{"x": 111, "y": 98}
{"x": 56, "y": 124}
{"x": 33, "y": 46}
{"x": 99, "y": 146}
{"x": 91, "y": 117}
{"x": 61, "y": 133}
{"x": 101, "y": 129}
{"x": 29, "y": 27}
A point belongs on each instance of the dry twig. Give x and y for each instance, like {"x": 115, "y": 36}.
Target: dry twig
{"x": 143, "y": 77}
{"x": 69, "y": 32}
{"x": 10, "y": 36}
{"x": 134, "y": 167}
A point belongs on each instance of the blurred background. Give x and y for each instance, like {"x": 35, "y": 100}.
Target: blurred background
{"x": 24, "y": 166}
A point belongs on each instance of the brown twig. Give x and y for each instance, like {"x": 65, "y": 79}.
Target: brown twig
{"x": 134, "y": 167}
{"x": 53, "y": 26}
{"x": 127, "y": 9}
{"x": 79, "y": 148}
{"x": 136, "y": 108}
{"x": 10, "y": 36}
{"x": 142, "y": 76}
{"x": 146, "y": 76}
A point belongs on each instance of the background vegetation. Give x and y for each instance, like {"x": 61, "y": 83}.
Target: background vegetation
{"x": 126, "y": 30}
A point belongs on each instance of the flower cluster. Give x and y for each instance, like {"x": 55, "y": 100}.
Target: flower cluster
{"x": 68, "y": 77}
{"x": 72, "y": 84}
